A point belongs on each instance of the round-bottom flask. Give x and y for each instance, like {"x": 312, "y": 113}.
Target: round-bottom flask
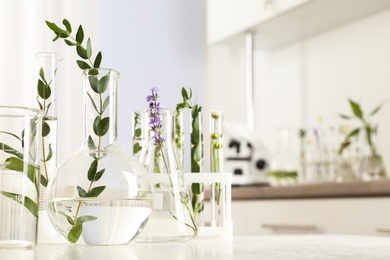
{"x": 100, "y": 195}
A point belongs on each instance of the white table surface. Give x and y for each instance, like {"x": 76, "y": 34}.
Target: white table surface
{"x": 260, "y": 247}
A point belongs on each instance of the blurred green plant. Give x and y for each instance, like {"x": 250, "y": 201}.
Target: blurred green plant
{"x": 366, "y": 126}
{"x": 196, "y": 145}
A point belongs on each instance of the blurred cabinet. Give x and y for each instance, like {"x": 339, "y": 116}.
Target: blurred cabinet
{"x": 225, "y": 18}
{"x": 352, "y": 216}
{"x": 280, "y": 22}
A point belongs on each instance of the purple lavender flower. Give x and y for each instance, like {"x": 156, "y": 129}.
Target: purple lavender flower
{"x": 154, "y": 115}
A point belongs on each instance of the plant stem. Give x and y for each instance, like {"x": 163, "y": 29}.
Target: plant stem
{"x": 98, "y": 158}
{"x": 43, "y": 145}
{"x": 183, "y": 200}
{"x": 216, "y": 145}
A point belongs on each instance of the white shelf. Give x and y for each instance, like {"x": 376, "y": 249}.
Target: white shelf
{"x": 308, "y": 19}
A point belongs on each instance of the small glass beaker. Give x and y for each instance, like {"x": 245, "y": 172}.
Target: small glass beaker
{"x": 20, "y": 129}
{"x": 284, "y": 165}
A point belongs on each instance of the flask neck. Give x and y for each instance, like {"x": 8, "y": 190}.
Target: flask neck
{"x": 100, "y": 107}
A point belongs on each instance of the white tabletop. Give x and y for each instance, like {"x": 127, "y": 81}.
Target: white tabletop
{"x": 260, "y": 247}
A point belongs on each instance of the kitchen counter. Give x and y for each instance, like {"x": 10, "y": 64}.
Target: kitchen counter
{"x": 257, "y": 247}
{"x": 317, "y": 190}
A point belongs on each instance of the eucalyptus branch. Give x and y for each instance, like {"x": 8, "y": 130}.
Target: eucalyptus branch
{"x": 44, "y": 92}
{"x": 100, "y": 125}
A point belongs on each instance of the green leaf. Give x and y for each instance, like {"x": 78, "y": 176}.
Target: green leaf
{"x": 96, "y": 124}
{"x": 40, "y": 105}
{"x": 197, "y": 188}
{"x": 376, "y": 110}
{"x": 42, "y": 75}
{"x": 23, "y": 200}
{"x": 91, "y": 143}
{"x": 138, "y": 132}
{"x": 197, "y": 153}
{"x": 103, "y": 84}
{"x": 194, "y": 138}
{"x": 56, "y": 38}
{"x": 45, "y": 129}
{"x": 83, "y": 219}
{"x": 44, "y": 90}
{"x": 83, "y": 65}
{"x": 74, "y": 233}
{"x": 180, "y": 106}
{"x": 102, "y": 126}
{"x": 10, "y": 150}
{"x": 356, "y": 109}
{"x": 195, "y": 167}
{"x": 67, "y": 26}
{"x": 53, "y": 27}
{"x": 190, "y": 95}
{"x": 93, "y": 72}
{"x": 200, "y": 206}
{"x": 81, "y": 192}
{"x": 58, "y": 31}
{"x": 95, "y": 192}
{"x": 368, "y": 134}
{"x": 184, "y": 94}
{"x": 99, "y": 174}
{"x": 70, "y": 43}
{"x": 93, "y": 81}
{"x": 48, "y": 157}
{"x": 48, "y": 106}
{"x": 81, "y": 52}
{"x": 345, "y": 117}
{"x": 92, "y": 170}
{"x": 344, "y": 145}
{"x": 353, "y": 133}
{"x": 136, "y": 148}
{"x": 11, "y": 134}
{"x": 93, "y": 103}
{"x": 105, "y": 103}
{"x": 70, "y": 219}
{"x": 17, "y": 164}
{"x": 347, "y": 141}
{"x": 98, "y": 60}
{"x": 80, "y": 35}
{"x": 89, "y": 48}
{"x": 43, "y": 180}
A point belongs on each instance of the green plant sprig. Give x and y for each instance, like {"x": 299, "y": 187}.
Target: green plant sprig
{"x": 44, "y": 92}
{"x": 137, "y": 133}
{"x": 16, "y": 163}
{"x": 100, "y": 124}
{"x": 196, "y": 146}
{"x": 216, "y": 146}
{"x": 366, "y": 126}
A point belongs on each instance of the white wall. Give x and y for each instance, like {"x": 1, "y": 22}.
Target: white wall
{"x": 296, "y": 84}
{"x": 152, "y": 44}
